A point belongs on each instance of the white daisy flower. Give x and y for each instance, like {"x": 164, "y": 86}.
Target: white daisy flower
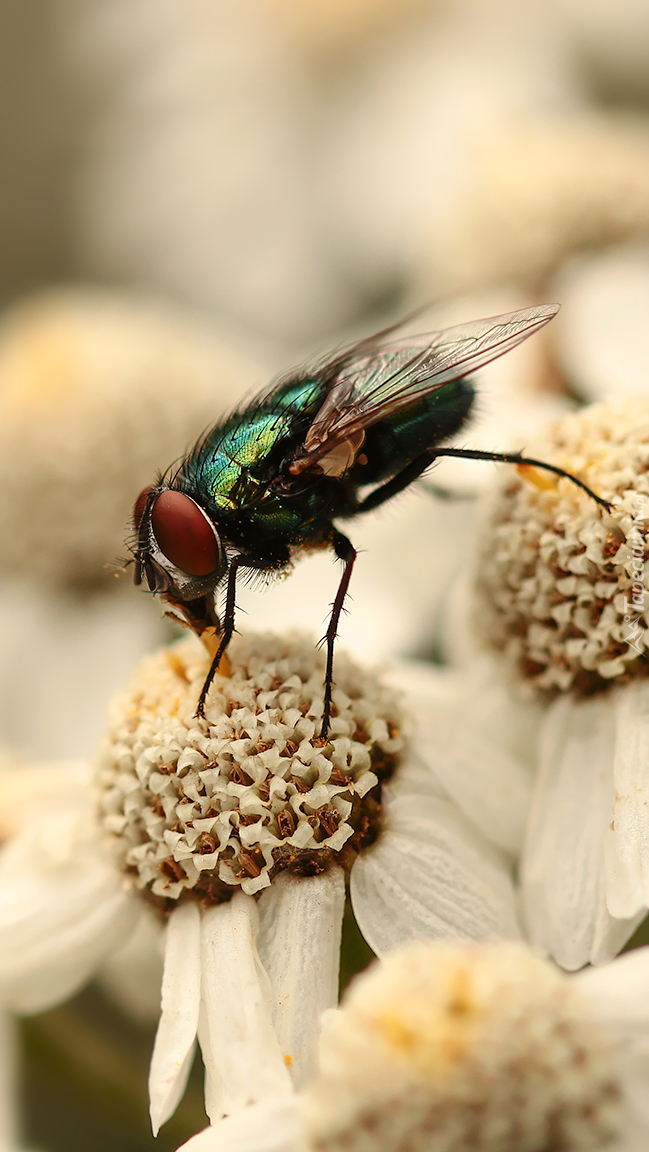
{"x": 242, "y": 834}
{"x": 561, "y": 595}
{"x": 485, "y": 1048}
{"x": 474, "y": 1048}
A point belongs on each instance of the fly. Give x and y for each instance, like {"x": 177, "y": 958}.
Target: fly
{"x": 325, "y": 443}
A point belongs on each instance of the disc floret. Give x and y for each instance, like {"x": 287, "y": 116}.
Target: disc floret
{"x": 210, "y": 807}
{"x": 561, "y": 584}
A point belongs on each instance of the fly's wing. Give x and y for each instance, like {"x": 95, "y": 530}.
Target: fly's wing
{"x": 375, "y": 382}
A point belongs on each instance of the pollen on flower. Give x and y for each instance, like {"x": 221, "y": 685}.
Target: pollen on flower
{"x": 561, "y": 584}
{"x": 464, "y": 1047}
{"x": 208, "y": 807}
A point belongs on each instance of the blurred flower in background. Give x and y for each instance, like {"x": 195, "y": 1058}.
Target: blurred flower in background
{"x": 445, "y": 1045}
{"x": 99, "y": 390}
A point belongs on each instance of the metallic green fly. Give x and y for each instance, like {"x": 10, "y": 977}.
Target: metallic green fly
{"x": 327, "y": 442}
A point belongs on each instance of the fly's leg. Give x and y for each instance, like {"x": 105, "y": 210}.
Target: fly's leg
{"x": 226, "y": 632}
{"x": 518, "y": 458}
{"x": 346, "y": 552}
{"x": 397, "y": 483}
{"x": 274, "y": 561}
{"x": 415, "y": 468}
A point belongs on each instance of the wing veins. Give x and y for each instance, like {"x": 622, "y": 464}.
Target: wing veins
{"x": 447, "y": 355}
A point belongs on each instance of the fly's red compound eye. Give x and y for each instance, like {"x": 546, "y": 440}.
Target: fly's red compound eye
{"x": 140, "y": 505}
{"x": 184, "y": 534}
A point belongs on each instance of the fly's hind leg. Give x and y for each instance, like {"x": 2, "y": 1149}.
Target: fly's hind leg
{"x": 518, "y": 458}
{"x": 346, "y": 552}
{"x": 414, "y": 469}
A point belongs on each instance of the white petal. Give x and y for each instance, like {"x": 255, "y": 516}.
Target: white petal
{"x": 472, "y": 761}
{"x": 609, "y": 935}
{"x": 627, "y": 843}
{"x": 619, "y": 991}
{"x": 427, "y": 684}
{"x": 415, "y": 777}
{"x": 58, "y": 920}
{"x": 563, "y": 861}
{"x": 243, "y": 1061}
{"x": 299, "y": 946}
{"x": 488, "y": 784}
{"x": 176, "y": 1036}
{"x": 133, "y": 976}
{"x": 431, "y": 874}
{"x": 268, "y": 1127}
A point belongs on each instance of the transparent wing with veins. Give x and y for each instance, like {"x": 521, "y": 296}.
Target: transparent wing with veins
{"x": 378, "y": 380}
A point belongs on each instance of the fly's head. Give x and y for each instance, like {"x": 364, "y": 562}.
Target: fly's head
{"x": 179, "y": 554}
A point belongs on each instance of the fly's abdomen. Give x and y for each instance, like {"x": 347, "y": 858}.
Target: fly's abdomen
{"x": 391, "y": 444}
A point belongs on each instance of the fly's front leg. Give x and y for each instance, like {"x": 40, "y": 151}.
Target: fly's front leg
{"x": 346, "y": 552}
{"x": 274, "y": 561}
{"x": 226, "y": 632}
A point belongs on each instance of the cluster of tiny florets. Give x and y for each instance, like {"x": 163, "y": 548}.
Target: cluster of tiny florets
{"x": 462, "y": 1048}
{"x": 90, "y": 406}
{"x": 213, "y": 806}
{"x": 561, "y": 584}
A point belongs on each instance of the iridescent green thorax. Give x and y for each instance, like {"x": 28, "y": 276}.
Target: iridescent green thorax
{"x": 232, "y": 469}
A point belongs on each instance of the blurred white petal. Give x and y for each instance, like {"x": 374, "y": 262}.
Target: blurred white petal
{"x": 68, "y": 633}
{"x": 488, "y": 783}
{"x": 620, "y": 990}
{"x": 268, "y": 1127}
{"x": 299, "y": 947}
{"x": 408, "y": 552}
{"x": 181, "y": 992}
{"x": 133, "y": 975}
{"x": 63, "y": 908}
{"x": 601, "y": 331}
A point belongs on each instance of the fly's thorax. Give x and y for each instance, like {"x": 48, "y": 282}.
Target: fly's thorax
{"x": 205, "y": 808}
{"x": 253, "y": 501}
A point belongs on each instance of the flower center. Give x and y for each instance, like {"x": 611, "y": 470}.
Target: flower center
{"x": 210, "y": 807}
{"x": 471, "y": 1048}
{"x": 562, "y": 589}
